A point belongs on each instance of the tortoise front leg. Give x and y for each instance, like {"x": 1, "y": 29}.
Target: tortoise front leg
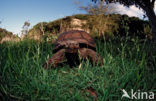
{"x": 57, "y": 58}
{"x": 95, "y": 57}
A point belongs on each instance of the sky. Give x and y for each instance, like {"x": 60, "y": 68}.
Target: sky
{"x": 13, "y": 13}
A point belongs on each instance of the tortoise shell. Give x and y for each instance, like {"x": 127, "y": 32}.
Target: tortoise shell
{"x": 74, "y": 36}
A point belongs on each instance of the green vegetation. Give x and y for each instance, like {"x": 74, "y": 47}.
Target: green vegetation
{"x": 148, "y": 9}
{"x": 7, "y": 36}
{"x": 129, "y": 61}
{"x": 3, "y": 33}
{"x": 98, "y": 25}
{"x": 127, "y": 65}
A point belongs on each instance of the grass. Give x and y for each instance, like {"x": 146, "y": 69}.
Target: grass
{"x": 127, "y": 65}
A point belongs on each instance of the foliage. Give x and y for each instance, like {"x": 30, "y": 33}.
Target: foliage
{"x": 134, "y": 27}
{"x": 4, "y": 33}
{"x": 98, "y": 8}
{"x": 102, "y": 25}
{"x": 25, "y": 27}
{"x": 99, "y": 25}
{"x": 127, "y": 65}
{"x": 141, "y": 3}
{"x": 146, "y": 5}
{"x": 100, "y": 22}
{"x": 81, "y": 16}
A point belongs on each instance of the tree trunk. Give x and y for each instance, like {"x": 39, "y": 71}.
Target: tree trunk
{"x": 152, "y": 20}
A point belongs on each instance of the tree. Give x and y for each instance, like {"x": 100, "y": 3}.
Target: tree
{"x": 98, "y": 23}
{"x": 25, "y": 27}
{"x": 146, "y": 5}
{"x": 98, "y": 8}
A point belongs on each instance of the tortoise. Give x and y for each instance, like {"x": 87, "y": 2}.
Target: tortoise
{"x": 73, "y": 46}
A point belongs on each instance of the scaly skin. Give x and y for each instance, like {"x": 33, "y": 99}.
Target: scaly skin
{"x": 55, "y": 59}
{"x": 84, "y": 53}
{"x": 89, "y": 53}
